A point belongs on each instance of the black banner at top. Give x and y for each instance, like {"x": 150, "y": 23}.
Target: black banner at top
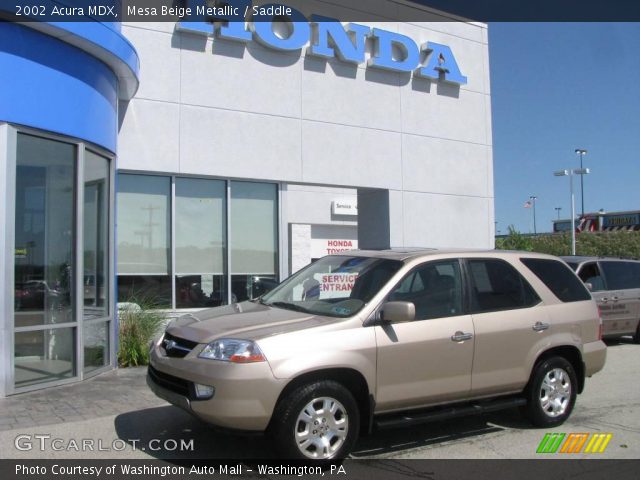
{"x": 342, "y": 10}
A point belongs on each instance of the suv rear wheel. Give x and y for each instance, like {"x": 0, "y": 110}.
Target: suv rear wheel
{"x": 317, "y": 421}
{"x": 551, "y": 393}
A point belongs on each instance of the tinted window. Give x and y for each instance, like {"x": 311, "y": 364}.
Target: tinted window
{"x": 558, "y": 278}
{"x": 498, "y": 286}
{"x": 590, "y": 273}
{"x": 434, "y": 288}
{"x": 621, "y": 275}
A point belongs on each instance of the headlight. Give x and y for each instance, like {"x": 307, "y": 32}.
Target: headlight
{"x": 232, "y": 350}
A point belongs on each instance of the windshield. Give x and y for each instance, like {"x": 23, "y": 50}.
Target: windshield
{"x": 335, "y": 286}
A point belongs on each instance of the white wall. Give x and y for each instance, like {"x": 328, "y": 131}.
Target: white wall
{"x": 209, "y": 107}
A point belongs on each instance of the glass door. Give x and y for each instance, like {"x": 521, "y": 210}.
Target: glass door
{"x": 44, "y": 291}
{"x": 62, "y": 308}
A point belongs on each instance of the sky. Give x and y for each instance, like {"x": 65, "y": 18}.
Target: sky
{"x": 556, "y": 87}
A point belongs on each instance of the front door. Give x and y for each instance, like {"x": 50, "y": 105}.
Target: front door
{"x": 428, "y": 360}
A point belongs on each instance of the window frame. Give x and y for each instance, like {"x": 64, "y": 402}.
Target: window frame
{"x": 8, "y": 145}
{"x": 464, "y": 301}
{"x": 471, "y": 285}
{"x": 173, "y": 178}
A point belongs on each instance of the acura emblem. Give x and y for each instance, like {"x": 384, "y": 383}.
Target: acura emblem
{"x": 170, "y": 345}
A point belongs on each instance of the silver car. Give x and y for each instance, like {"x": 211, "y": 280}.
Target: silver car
{"x": 615, "y": 285}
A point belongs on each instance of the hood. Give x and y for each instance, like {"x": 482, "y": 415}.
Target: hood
{"x": 246, "y": 320}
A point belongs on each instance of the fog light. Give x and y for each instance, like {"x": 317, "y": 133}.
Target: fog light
{"x": 204, "y": 391}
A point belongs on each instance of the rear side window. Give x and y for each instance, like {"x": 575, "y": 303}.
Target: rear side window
{"x": 496, "y": 285}
{"x": 621, "y": 275}
{"x": 558, "y": 278}
{"x": 590, "y": 273}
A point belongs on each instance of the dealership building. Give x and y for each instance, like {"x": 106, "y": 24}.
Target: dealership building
{"x": 193, "y": 165}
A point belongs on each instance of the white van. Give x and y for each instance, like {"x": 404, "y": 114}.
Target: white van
{"x": 615, "y": 285}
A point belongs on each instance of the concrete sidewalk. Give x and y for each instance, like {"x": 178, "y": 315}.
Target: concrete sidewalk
{"x": 110, "y": 393}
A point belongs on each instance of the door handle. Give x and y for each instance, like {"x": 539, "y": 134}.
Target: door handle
{"x": 539, "y": 326}
{"x": 461, "y": 336}
{"x": 615, "y": 299}
{"x": 604, "y": 299}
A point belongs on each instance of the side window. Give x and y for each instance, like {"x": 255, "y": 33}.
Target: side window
{"x": 559, "y": 278}
{"x": 496, "y": 285}
{"x": 435, "y": 289}
{"x": 635, "y": 271}
{"x": 590, "y": 273}
{"x": 620, "y": 275}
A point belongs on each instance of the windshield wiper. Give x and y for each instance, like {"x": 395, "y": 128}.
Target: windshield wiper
{"x": 288, "y": 306}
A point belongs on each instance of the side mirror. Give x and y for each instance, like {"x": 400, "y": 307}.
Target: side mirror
{"x": 589, "y": 286}
{"x": 398, "y": 312}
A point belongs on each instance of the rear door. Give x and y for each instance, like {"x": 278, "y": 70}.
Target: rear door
{"x": 620, "y": 304}
{"x": 509, "y": 322}
{"x": 428, "y": 360}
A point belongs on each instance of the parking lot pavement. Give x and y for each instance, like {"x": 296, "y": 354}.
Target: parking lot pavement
{"x": 115, "y": 413}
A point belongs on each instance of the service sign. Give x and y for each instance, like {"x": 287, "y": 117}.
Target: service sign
{"x": 335, "y": 285}
{"x": 322, "y": 36}
{"x": 344, "y": 207}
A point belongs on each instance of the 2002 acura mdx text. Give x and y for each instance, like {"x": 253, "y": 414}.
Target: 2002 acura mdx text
{"x": 375, "y": 339}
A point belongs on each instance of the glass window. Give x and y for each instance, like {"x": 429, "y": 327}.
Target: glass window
{"x": 335, "y": 286}
{"x": 254, "y": 238}
{"x": 558, "y": 278}
{"x": 153, "y": 291}
{"x": 143, "y": 238}
{"x": 590, "y": 273}
{"x": 620, "y": 275}
{"x": 96, "y": 236}
{"x": 96, "y": 345}
{"x": 200, "y": 243}
{"x": 44, "y": 231}
{"x": 44, "y": 356}
{"x": 498, "y": 286}
{"x": 434, "y": 288}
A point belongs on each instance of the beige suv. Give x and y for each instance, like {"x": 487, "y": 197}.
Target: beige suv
{"x": 376, "y": 339}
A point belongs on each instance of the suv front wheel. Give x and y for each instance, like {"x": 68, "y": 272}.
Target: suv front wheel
{"x": 317, "y": 421}
{"x": 551, "y": 393}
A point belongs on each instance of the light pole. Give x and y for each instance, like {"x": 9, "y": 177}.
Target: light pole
{"x": 558, "y": 211}
{"x": 533, "y": 199}
{"x": 570, "y": 174}
{"x": 582, "y": 152}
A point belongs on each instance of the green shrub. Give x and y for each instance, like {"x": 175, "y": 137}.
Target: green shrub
{"x": 515, "y": 241}
{"x": 599, "y": 244}
{"x": 139, "y": 323}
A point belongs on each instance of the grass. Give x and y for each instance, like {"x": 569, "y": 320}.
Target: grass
{"x": 139, "y": 324}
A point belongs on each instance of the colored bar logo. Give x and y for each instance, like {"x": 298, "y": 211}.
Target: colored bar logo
{"x": 574, "y": 443}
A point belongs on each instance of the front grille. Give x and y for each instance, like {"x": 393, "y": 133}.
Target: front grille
{"x": 174, "y": 384}
{"x": 177, "y": 347}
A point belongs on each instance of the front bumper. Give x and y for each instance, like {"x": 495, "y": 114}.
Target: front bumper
{"x": 245, "y": 394}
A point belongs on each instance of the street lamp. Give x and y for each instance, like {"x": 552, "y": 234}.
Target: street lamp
{"x": 570, "y": 174}
{"x": 582, "y": 152}
{"x": 533, "y": 199}
{"x": 558, "y": 211}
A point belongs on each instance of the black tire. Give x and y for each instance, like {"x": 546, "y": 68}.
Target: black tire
{"x": 636, "y": 337}
{"x": 336, "y": 437}
{"x": 551, "y": 393}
